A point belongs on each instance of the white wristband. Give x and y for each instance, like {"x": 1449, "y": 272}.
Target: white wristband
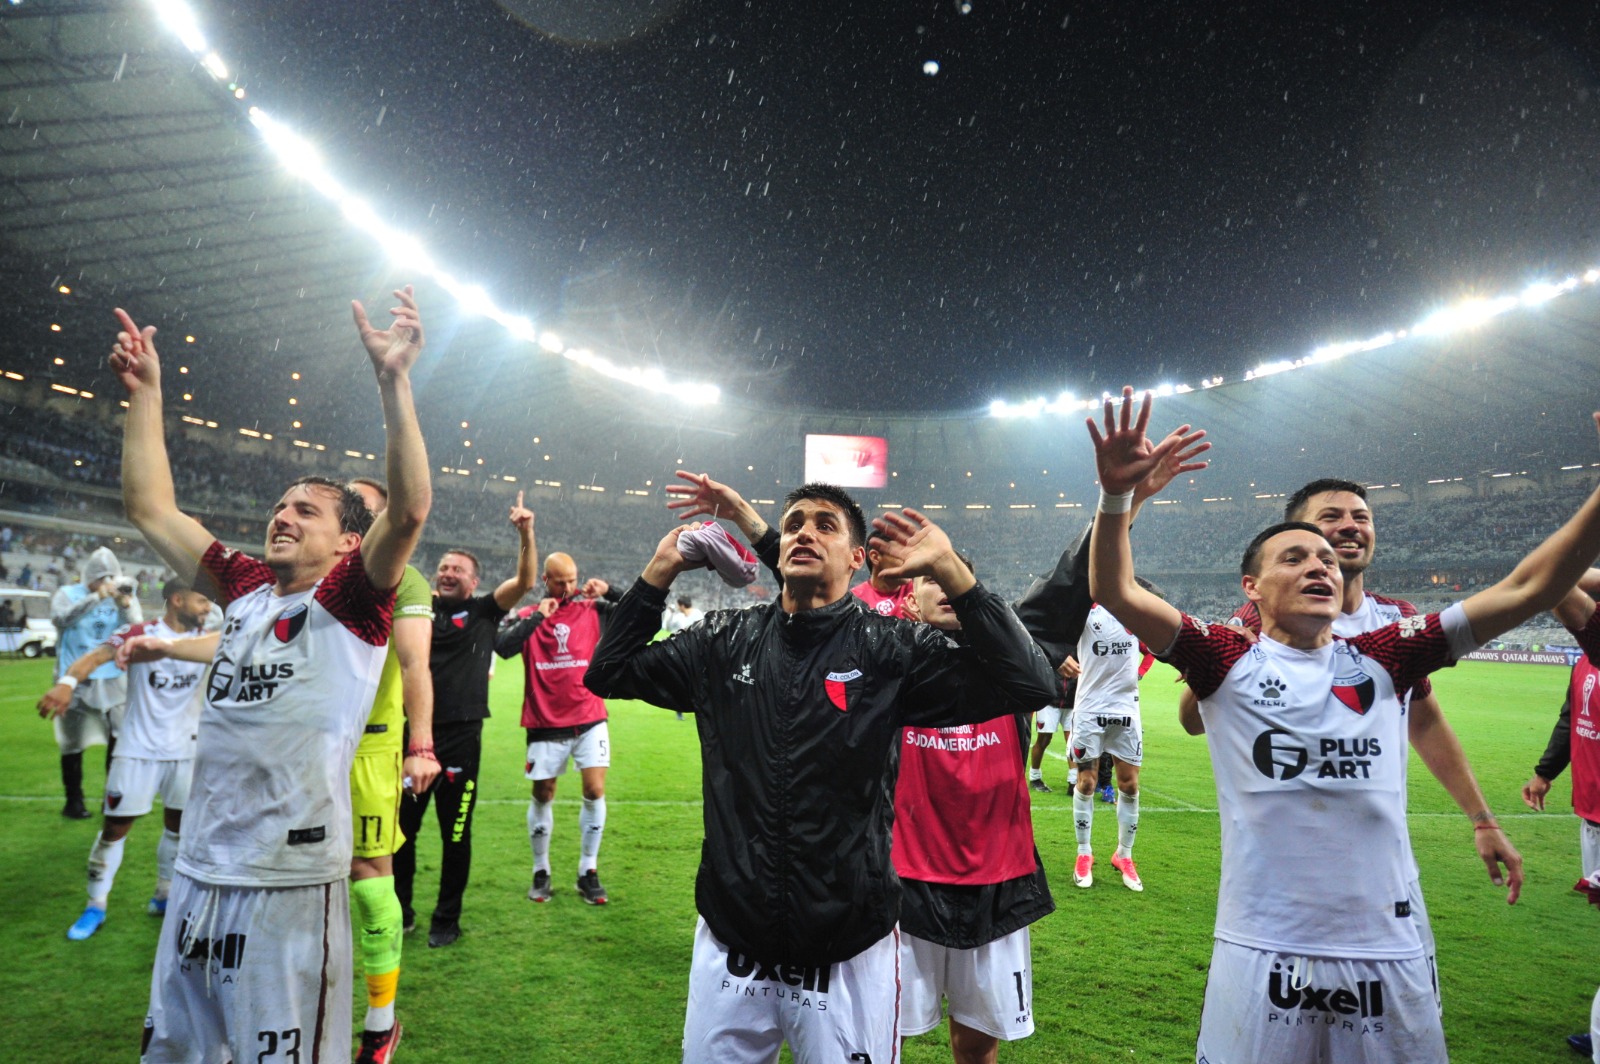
{"x": 69, "y": 680}
{"x": 1116, "y": 504}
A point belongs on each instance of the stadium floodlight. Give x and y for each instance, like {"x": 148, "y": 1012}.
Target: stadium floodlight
{"x": 302, "y": 159}
{"x": 179, "y": 18}
{"x": 1544, "y": 292}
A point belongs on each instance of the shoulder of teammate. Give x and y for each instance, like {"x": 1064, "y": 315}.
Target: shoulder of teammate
{"x": 347, "y": 593}
{"x": 1406, "y": 608}
{"x": 232, "y": 573}
{"x": 130, "y": 631}
{"x": 1588, "y": 637}
{"x": 1412, "y": 647}
{"x": 1248, "y": 616}
{"x": 1203, "y": 653}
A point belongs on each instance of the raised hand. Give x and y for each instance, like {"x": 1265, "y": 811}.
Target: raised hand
{"x": 547, "y": 606}
{"x": 521, "y": 516}
{"x": 1124, "y": 455}
{"x": 133, "y": 357}
{"x": 1179, "y": 460}
{"x": 594, "y": 588}
{"x": 702, "y": 497}
{"x": 668, "y": 561}
{"x": 393, "y": 350}
{"x": 910, "y": 542}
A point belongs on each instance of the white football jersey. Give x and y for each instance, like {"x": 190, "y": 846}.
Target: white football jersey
{"x": 164, "y": 700}
{"x": 1109, "y": 655}
{"x": 1308, "y": 749}
{"x": 286, "y": 700}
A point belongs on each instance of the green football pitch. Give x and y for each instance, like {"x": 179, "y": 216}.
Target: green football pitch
{"x": 1118, "y": 976}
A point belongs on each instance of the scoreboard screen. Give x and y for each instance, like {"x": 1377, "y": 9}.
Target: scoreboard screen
{"x": 848, "y": 461}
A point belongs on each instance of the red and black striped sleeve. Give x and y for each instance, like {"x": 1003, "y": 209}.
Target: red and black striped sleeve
{"x": 232, "y": 574}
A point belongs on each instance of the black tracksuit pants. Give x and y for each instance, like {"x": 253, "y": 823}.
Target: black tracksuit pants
{"x": 454, "y": 795}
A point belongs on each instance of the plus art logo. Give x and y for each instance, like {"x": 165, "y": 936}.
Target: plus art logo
{"x": 1278, "y": 756}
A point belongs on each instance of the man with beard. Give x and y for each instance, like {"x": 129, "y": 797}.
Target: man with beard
{"x": 564, "y": 720}
{"x": 1340, "y": 509}
{"x": 464, "y": 626}
{"x": 1306, "y": 734}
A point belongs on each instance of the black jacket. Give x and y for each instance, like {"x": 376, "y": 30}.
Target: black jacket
{"x": 799, "y": 718}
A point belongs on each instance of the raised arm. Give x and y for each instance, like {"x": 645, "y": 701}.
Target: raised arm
{"x": 1124, "y": 457}
{"x": 142, "y": 648}
{"x": 1543, "y": 578}
{"x": 148, "y": 496}
{"x": 393, "y": 351}
{"x": 703, "y": 497}
{"x": 509, "y": 593}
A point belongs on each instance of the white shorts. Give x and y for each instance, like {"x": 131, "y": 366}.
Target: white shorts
{"x": 1049, "y": 719}
{"x": 990, "y": 988}
{"x": 1588, "y": 846}
{"x": 133, "y": 783}
{"x": 247, "y": 974}
{"x": 741, "y": 1011}
{"x": 1096, "y": 731}
{"x": 83, "y": 726}
{"x": 547, "y": 758}
{"x": 1350, "y": 1011}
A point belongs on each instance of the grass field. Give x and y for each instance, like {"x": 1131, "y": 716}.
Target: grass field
{"x": 1117, "y": 976}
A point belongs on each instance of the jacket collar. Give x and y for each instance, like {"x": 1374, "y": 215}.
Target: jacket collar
{"x": 810, "y": 625}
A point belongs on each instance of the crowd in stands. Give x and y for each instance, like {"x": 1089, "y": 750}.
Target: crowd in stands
{"x": 63, "y": 467}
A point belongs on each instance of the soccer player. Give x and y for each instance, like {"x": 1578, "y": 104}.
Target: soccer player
{"x": 254, "y": 955}
{"x": 1575, "y": 740}
{"x": 402, "y": 716}
{"x": 971, "y": 875}
{"x": 1049, "y": 720}
{"x": 799, "y": 706}
{"x": 84, "y": 615}
{"x": 565, "y": 721}
{"x": 1339, "y": 508}
{"x": 464, "y": 625}
{"x": 155, "y": 754}
{"x": 881, "y": 592}
{"x": 1316, "y": 954}
{"x": 1106, "y": 720}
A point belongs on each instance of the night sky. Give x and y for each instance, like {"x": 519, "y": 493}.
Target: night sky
{"x": 777, "y": 197}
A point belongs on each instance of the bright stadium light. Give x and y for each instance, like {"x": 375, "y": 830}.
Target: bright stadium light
{"x": 302, "y": 159}
{"x": 1465, "y": 315}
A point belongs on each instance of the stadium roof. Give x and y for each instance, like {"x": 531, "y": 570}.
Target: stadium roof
{"x": 130, "y": 179}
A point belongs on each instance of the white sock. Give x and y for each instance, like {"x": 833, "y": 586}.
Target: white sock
{"x": 1083, "y": 820}
{"x": 104, "y": 860}
{"x": 379, "y": 1017}
{"x": 166, "y": 858}
{"x": 1594, "y": 1025}
{"x": 591, "y": 826}
{"x": 1035, "y": 774}
{"x": 540, "y": 821}
{"x": 1127, "y": 823}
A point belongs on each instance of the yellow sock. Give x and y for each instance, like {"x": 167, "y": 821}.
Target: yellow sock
{"x": 381, "y": 989}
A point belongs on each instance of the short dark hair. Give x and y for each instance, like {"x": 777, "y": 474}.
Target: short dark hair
{"x": 176, "y": 586}
{"x": 1251, "y": 564}
{"x": 353, "y": 513}
{"x": 373, "y": 483}
{"x": 1298, "y": 501}
{"x": 477, "y": 569}
{"x": 686, "y": 602}
{"x": 837, "y": 496}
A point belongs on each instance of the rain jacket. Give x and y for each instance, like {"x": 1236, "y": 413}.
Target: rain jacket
{"x": 800, "y": 719}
